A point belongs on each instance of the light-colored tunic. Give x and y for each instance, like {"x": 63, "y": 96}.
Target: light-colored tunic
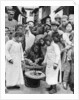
{"x": 52, "y": 56}
{"x": 14, "y": 75}
{"x": 10, "y": 24}
{"x": 29, "y": 39}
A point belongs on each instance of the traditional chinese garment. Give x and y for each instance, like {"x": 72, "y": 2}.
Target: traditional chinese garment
{"x": 52, "y": 56}
{"x": 14, "y": 75}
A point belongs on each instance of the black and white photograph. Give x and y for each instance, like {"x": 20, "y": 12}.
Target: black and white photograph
{"x": 39, "y": 50}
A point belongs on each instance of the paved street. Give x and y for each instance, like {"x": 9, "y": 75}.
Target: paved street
{"x": 39, "y": 90}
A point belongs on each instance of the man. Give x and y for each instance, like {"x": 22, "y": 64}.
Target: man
{"x": 58, "y": 18}
{"x": 10, "y": 22}
{"x": 29, "y": 37}
{"x": 48, "y": 21}
{"x": 64, "y": 21}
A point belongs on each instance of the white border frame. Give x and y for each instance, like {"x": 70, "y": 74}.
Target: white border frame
{"x": 37, "y": 96}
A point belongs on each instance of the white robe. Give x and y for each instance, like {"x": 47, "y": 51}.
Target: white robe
{"x": 52, "y": 56}
{"x": 29, "y": 39}
{"x": 14, "y": 75}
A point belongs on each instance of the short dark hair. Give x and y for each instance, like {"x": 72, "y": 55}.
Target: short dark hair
{"x": 18, "y": 34}
{"x": 17, "y": 26}
{"x": 48, "y": 38}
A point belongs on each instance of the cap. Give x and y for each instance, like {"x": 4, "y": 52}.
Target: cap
{"x": 57, "y": 16}
{"x": 64, "y": 17}
{"x": 55, "y": 23}
{"x": 48, "y": 25}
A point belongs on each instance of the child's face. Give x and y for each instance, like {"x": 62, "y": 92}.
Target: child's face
{"x": 69, "y": 28}
{"x": 54, "y": 27}
{"x": 19, "y": 39}
{"x": 48, "y": 43}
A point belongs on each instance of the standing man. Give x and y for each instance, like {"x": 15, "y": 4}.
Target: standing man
{"x": 58, "y": 18}
{"x": 10, "y": 22}
{"x": 64, "y": 21}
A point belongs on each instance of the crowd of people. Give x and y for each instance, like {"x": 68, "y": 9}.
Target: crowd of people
{"x": 49, "y": 44}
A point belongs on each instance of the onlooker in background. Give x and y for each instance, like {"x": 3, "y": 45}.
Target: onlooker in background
{"x": 14, "y": 56}
{"x": 21, "y": 28}
{"x": 47, "y": 29}
{"x": 10, "y": 22}
{"x": 58, "y": 18}
{"x": 29, "y": 37}
{"x": 64, "y": 21}
{"x": 71, "y": 19}
{"x": 67, "y": 54}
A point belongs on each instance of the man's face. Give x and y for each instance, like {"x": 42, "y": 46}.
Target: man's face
{"x": 20, "y": 28}
{"x": 48, "y": 28}
{"x": 48, "y": 21}
{"x": 36, "y": 48}
{"x": 58, "y": 20}
{"x": 64, "y": 21}
{"x": 11, "y": 15}
{"x": 31, "y": 24}
{"x": 54, "y": 27}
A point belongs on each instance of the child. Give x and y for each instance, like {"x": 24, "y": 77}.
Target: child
{"x": 52, "y": 61}
{"x": 14, "y": 56}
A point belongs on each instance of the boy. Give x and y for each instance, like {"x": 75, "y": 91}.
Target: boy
{"x": 14, "y": 56}
{"x": 53, "y": 64}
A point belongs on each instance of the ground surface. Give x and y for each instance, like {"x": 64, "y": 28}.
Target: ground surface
{"x": 39, "y": 90}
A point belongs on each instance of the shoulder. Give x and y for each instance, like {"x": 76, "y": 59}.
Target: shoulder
{"x": 9, "y": 42}
{"x": 55, "y": 45}
{"x": 15, "y": 21}
{"x": 60, "y": 32}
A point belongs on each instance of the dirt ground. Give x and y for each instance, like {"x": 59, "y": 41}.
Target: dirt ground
{"x": 39, "y": 90}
